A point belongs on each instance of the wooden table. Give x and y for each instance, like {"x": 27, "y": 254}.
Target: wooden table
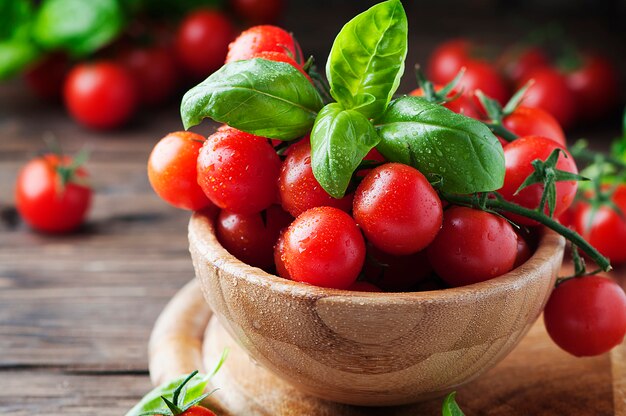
{"x": 76, "y": 311}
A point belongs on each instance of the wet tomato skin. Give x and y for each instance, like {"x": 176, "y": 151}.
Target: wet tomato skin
{"x": 264, "y": 38}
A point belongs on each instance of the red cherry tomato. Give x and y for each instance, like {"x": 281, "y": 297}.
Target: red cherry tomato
{"x": 100, "y": 95}
{"x": 279, "y": 249}
{"x": 299, "y": 190}
{"x": 259, "y": 11}
{"x": 517, "y": 63}
{"x": 251, "y": 237}
{"x": 524, "y": 252}
{"x": 606, "y": 230}
{"x": 281, "y": 57}
{"x": 518, "y": 156}
{"x": 154, "y": 71}
{"x": 45, "y": 77}
{"x": 472, "y": 246}
{"x": 551, "y": 93}
{"x": 595, "y": 86}
{"x": 397, "y": 209}
{"x": 480, "y": 75}
{"x": 323, "y": 247}
{"x": 264, "y": 38}
{"x": 447, "y": 59}
{"x": 238, "y": 171}
{"x": 586, "y": 316}
{"x": 396, "y": 273}
{"x": 364, "y": 287}
{"x": 202, "y": 41}
{"x": 45, "y": 202}
{"x": 197, "y": 411}
{"x": 461, "y": 104}
{"x": 527, "y": 121}
{"x": 172, "y": 170}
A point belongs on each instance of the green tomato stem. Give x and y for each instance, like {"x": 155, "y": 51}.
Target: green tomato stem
{"x": 502, "y": 205}
{"x": 501, "y": 131}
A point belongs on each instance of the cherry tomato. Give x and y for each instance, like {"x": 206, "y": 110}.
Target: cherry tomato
{"x": 251, "y": 237}
{"x": 595, "y": 86}
{"x": 259, "y": 11}
{"x": 472, "y": 246}
{"x": 50, "y": 196}
{"x": 45, "y": 77}
{"x": 396, "y": 273}
{"x": 172, "y": 170}
{"x": 202, "y": 41}
{"x": 279, "y": 249}
{"x": 100, "y": 95}
{"x": 364, "y": 287}
{"x": 447, "y": 59}
{"x": 281, "y": 57}
{"x": 299, "y": 190}
{"x": 527, "y": 121}
{"x": 524, "y": 252}
{"x": 586, "y": 316}
{"x": 461, "y": 104}
{"x": 480, "y": 75}
{"x": 323, "y": 247}
{"x": 397, "y": 209}
{"x": 197, "y": 411}
{"x": 551, "y": 93}
{"x": 517, "y": 63}
{"x": 238, "y": 171}
{"x": 606, "y": 230}
{"x": 154, "y": 71}
{"x": 264, "y": 38}
{"x": 518, "y": 156}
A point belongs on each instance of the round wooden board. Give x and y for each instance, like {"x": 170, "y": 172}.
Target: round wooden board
{"x": 535, "y": 379}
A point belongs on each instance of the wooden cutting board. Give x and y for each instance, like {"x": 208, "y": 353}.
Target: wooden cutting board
{"x": 537, "y": 378}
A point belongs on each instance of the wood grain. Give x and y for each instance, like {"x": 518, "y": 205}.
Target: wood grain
{"x": 372, "y": 348}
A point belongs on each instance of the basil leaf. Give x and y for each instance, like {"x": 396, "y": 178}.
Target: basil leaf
{"x": 339, "y": 141}
{"x": 450, "y": 408}
{"x": 367, "y": 58}
{"x": 15, "y": 55}
{"x": 440, "y": 143}
{"x": 261, "y": 97}
{"x": 78, "y": 26}
{"x": 152, "y": 402}
{"x": 15, "y": 16}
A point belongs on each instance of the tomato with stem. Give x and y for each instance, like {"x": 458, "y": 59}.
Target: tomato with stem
{"x": 52, "y": 194}
{"x": 551, "y": 93}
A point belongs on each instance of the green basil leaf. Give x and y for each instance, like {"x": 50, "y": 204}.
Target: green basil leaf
{"x": 78, "y": 26}
{"x": 367, "y": 58}
{"x": 15, "y": 17}
{"x": 261, "y": 97}
{"x": 440, "y": 143}
{"x": 450, "y": 408}
{"x": 15, "y": 55}
{"x": 339, "y": 141}
{"x": 153, "y": 402}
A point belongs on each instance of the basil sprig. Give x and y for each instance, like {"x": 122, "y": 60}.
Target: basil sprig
{"x": 275, "y": 100}
{"x": 261, "y": 97}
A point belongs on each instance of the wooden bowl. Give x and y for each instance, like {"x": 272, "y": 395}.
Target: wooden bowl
{"x": 374, "y": 349}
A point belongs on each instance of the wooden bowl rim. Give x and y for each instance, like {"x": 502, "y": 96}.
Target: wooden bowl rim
{"x": 201, "y": 233}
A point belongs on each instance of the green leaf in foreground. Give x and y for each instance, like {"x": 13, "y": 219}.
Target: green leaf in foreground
{"x": 339, "y": 141}
{"x": 15, "y": 55}
{"x": 78, "y": 26}
{"x": 367, "y": 58}
{"x": 266, "y": 98}
{"x": 440, "y": 143}
{"x": 450, "y": 408}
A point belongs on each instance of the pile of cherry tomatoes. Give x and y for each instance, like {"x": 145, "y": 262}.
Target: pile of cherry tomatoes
{"x": 584, "y": 90}
{"x": 145, "y": 67}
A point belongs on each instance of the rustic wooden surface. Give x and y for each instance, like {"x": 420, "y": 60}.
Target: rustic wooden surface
{"x": 76, "y": 312}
